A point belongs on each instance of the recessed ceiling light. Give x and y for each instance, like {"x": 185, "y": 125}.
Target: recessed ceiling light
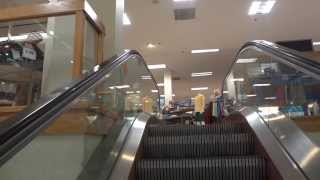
{"x": 237, "y": 80}
{"x": 160, "y": 84}
{"x": 151, "y": 46}
{"x": 138, "y": 92}
{"x": 129, "y": 92}
{"x": 199, "y": 89}
{"x": 270, "y": 98}
{"x": 261, "y": 85}
{"x": 251, "y": 95}
{"x": 154, "y": 91}
{"x": 157, "y": 66}
{"x": 200, "y": 51}
{"x": 261, "y": 7}
{"x": 316, "y": 43}
{"x": 201, "y": 74}
{"x": 249, "y": 60}
{"x": 126, "y": 20}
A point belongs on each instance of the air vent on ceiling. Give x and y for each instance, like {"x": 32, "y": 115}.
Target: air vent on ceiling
{"x": 155, "y": 1}
{"x": 184, "y": 14}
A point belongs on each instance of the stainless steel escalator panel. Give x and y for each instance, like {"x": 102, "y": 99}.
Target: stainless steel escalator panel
{"x": 128, "y": 153}
{"x": 302, "y": 150}
{"x": 282, "y": 160}
{"x": 281, "y": 86}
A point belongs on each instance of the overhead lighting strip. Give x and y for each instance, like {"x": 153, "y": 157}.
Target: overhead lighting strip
{"x": 201, "y": 74}
{"x": 237, "y": 80}
{"x": 157, "y": 66}
{"x": 120, "y": 87}
{"x": 199, "y": 89}
{"x": 200, "y": 51}
{"x": 261, "y": 85}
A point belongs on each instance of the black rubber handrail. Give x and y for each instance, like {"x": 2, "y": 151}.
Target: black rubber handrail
{"x": 292, "y": 57}
{"x": 19, "y": 130}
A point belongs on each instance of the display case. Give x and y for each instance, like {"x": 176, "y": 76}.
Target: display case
{"x": 45, "y": 46}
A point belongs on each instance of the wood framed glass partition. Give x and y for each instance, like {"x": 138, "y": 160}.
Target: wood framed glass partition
{"x": 45, "y": 46}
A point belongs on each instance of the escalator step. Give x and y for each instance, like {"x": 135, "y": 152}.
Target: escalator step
{"x": 198, "y": 145}
{"x": 232, "y": 168}
{"x": 183, "y": 130}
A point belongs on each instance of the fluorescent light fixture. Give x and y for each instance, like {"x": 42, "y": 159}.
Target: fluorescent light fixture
{"x": 154, "y": 91}
{"x": 201, "y": 74}
{"x": 225, "y": 92}
{"x": 243, "y": 61}
{"x": 157, "y": 66}
{"x": 160, "y": 84}
{"x": 316, "y": 43}
{"x": 151, "y": 46}
{"x": 251, "y": 95}
{"x": 270, "y": 98}
{"x": 200, "y": 51}
{"x": 138, "y": 92}
{"x": 126, "y": 20}
{"x": 123, "y": 86}
{"x": 146, "y": 77}
{"x": 261, "y": 7}
{"x": 120, "y": 87}
{"x": 199, "y": 89}
{"x": 130, "y": 92}
{"x": 261, "y": 85}
{"x": 237, "y": 80}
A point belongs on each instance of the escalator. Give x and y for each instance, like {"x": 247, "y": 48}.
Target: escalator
{"x": 106, "y": 126}
{"x": 77, "y": 131}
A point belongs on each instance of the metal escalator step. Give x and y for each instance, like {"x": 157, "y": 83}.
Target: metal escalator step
{"x": 230, "y": 168}
{"x": 198, "y": 145}
{"x": 183, "y": 130}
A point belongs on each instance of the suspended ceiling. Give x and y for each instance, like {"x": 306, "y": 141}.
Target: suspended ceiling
{"x": 223, "y": 24}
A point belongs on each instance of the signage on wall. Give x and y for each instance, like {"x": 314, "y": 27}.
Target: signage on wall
{"x": 29, "y": 53}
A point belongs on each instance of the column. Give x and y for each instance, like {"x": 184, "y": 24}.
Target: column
{"x": 167, "y": 87}
{"x": 111, "y": 14}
